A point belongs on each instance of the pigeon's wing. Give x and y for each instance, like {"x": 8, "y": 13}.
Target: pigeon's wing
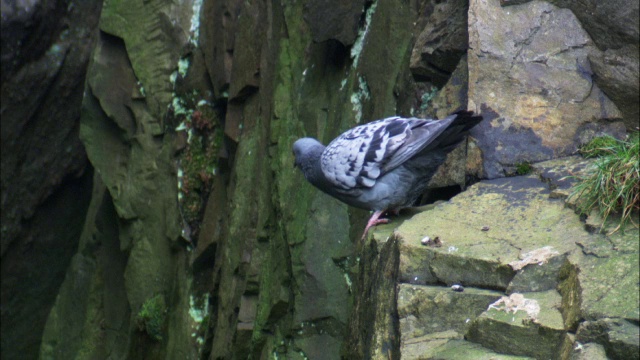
{"x": 363, "y": 154}
{"x": 422, "y": 134}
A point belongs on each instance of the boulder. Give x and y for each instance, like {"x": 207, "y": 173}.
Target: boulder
{"x": 532, "y": 82}
{"x": 616, "y": 73}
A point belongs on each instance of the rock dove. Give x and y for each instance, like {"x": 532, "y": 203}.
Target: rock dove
{"x": 384, "y": 165}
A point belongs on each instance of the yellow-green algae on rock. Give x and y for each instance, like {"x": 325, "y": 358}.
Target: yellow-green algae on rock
{"x": 515, "y": 237}
{"x": 517, "y": 216}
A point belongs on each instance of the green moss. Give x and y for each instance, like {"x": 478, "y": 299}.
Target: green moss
{"x": 523, "y": 168}
{"x": 152, "y": 316}
{"x": 612, "y": 185}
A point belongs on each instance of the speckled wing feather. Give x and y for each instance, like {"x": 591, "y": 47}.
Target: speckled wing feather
{"x": 363, "y": 154}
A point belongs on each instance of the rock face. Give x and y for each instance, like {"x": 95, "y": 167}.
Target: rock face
{"x": 614, "y": 71}
{"x": 243, "y": 272}
{"x": 443, "y": 40}
{"x": 334, "y": 20}
{"x": 200, "y": 241}
{"x": 613, "y": 26}
{"x": 46, "y": 179}
{"x": 125, "y": 260}
{"x": 532, "y": 82}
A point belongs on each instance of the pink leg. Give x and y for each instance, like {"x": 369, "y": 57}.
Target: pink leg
{"x": 373, "y": 221}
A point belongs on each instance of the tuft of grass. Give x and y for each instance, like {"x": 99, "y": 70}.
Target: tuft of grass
{"x": 600, "y": 146}
{"x": 612, "y": 185}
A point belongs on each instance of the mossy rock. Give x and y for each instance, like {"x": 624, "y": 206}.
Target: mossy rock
{"x": 152, "y": 316}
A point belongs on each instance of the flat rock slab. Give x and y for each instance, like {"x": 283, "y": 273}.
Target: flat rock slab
{"x": 538, "y": 271}
{"x": 609, "y": 285}
{"x": 589, "y": 352}
{"x": 483, "y": 230}
{"x": 603, "y": 276}
{"x": 527, "y": 324}
{"x": 449, "y": 345}
{"x": 316, "y": 347}
{"x": 430, "y": 309}
{"x": 561, "y": 173}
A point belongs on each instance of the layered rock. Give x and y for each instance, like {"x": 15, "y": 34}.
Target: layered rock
{"x": 530, "y": 280}
{"x": 202, "y": 241}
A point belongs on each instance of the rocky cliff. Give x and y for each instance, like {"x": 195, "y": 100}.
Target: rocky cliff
{"x": 194, "y": 236}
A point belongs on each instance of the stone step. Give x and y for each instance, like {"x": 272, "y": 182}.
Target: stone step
{"x": 486, "y": 235}
{"x": 431, "y": 309}
{"x": 528, "y": 324}
{"x": 515, "y": 244}
{"x": 448, "y": 345}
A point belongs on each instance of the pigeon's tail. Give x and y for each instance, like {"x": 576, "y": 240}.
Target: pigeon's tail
{"x": 459, "y": 128}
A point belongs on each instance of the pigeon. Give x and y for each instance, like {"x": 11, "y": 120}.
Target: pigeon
{"x": 385, "y": 165}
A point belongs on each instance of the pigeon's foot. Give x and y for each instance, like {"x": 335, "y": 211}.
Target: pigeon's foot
{"x": 373, "y": 221}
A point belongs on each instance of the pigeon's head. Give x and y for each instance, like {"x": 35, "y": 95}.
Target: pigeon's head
{"x": 306, "y": 151}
